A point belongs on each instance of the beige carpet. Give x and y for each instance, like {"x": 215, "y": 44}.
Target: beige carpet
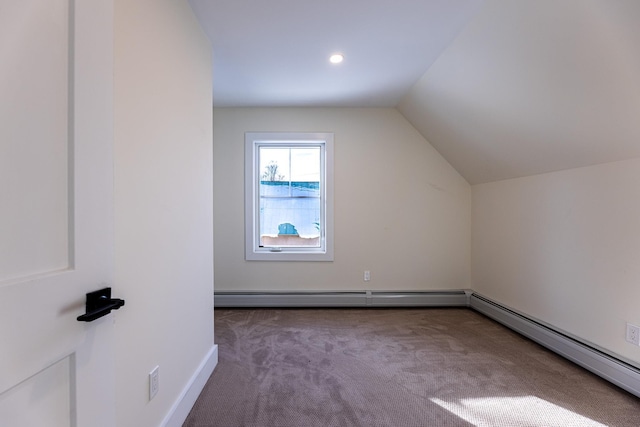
{"x": 396, "y": 368}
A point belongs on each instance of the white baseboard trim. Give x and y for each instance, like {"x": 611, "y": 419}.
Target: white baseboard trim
{"x": 455, "y": 298}
{"x": 181, "y": 408}
{"x": 609, "y": 367}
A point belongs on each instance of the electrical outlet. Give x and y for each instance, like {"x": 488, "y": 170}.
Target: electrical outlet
{"x": 367, "y": 275}
{"x": 633, "y": 334}
{"x": 154, "y": 382}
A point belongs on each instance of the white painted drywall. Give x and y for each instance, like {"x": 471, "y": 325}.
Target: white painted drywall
{"x": 564, "y": 247}
{"x": 401, "y": 211}
{"x": 163, "y": 203}
{"x": 531, "y": 87}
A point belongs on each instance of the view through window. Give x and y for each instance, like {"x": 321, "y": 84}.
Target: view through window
{"x": 288, "y": 212}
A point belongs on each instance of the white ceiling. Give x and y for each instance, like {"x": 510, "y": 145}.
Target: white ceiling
{"x": 534, "y": 86}
{"x": 501, "y": 88}
{"x": 276, "y": 52}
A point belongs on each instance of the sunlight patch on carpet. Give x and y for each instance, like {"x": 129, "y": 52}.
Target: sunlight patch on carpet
{"x": 512, "y": 411}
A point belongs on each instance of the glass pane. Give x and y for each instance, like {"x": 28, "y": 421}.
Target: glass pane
{"x": 290, "y": 200}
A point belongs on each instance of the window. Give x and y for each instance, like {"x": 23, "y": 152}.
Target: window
{"x": 289, "y": 196}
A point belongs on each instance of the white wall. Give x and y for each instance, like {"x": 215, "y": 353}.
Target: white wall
{"x": 564, "y": 247}
{"x": 163, "y": 203}
{"x": 511, "y": 95}
{"x": 401, "y": 211}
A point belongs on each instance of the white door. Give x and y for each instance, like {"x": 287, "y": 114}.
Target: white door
{"x": 56, "y": 88}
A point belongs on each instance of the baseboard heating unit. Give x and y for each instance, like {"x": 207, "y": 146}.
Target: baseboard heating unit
{"x": 342, "y": 299}
{"x": 608, "y": 366}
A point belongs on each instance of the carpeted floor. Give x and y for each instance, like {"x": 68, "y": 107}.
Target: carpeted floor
{"x": 395, "y": 368}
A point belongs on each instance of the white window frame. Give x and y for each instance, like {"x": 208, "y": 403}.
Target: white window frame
{"x": 253, "y": 251}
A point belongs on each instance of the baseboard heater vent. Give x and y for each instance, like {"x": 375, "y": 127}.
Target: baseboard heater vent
{"x": 612, "y": 369}
{"x": 342, "y": 299}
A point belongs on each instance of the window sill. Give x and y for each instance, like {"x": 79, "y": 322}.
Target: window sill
{"x": 286, "y": 254}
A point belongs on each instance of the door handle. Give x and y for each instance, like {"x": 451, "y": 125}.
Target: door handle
{"x": 99, "y": 303}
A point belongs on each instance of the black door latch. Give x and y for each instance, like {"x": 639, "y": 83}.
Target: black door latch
{"x": 100, "y": 303}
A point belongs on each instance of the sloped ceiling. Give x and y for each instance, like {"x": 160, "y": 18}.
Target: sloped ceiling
{"x": 501, "y": 88}
{"x": 534, "y": 86}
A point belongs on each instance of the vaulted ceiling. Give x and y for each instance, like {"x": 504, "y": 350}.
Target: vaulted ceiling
{"x": 500, "y": 88}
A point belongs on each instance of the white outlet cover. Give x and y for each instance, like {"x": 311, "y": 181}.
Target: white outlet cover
{"x": 154, "y": 382}
{"x": 633, "y": 334}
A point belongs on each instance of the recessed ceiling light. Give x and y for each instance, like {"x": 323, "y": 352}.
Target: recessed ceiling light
{"x": 336, "y": 58}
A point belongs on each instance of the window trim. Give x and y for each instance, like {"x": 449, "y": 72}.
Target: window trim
{"x": 252, "y": 197}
